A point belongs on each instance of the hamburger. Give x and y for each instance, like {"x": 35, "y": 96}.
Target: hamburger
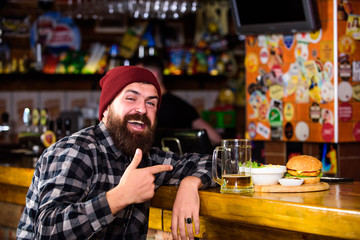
{"x": 306, "y": 167}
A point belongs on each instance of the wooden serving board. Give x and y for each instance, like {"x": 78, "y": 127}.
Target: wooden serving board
{"x": 321, "y": 186}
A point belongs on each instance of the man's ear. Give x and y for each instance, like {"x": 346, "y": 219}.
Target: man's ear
{"x": 105, "y": 113}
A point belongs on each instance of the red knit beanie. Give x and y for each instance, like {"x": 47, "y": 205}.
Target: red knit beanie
{"x": 118, "y": 78}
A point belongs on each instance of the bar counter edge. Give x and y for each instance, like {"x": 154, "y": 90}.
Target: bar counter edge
{"x": 330, "y": 214}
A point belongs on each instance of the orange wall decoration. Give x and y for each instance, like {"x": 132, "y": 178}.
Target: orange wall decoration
{"x": 296, "y": 90}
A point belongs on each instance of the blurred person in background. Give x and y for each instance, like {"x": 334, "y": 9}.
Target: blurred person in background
{"x": 174, "y": 112}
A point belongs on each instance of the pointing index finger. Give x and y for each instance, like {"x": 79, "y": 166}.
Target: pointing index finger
{"x": 160, "y": 168}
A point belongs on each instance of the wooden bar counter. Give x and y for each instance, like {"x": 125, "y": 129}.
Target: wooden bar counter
{"x": 329, "y": 214}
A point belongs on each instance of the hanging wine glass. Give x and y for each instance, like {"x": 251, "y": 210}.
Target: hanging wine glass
{"x": 78, "y": 12}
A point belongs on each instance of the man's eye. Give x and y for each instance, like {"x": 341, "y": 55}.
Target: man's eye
{"x": 130, "y": 98}
{"x": 151, "y": 104}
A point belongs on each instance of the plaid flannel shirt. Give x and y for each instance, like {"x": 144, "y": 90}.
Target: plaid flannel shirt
{"x": 66, "y": 199}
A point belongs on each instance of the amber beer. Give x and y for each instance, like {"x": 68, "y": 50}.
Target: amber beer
{"x": 231, "y": 166}
{"x": 237, "y": 180}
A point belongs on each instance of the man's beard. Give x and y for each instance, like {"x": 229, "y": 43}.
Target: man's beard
{"x": 128, "y": 141}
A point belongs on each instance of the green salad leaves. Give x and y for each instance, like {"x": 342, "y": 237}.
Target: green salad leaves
{"x": 254, "y": 164}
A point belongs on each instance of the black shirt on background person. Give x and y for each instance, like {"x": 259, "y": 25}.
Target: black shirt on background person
{"x": 175, "y": 112}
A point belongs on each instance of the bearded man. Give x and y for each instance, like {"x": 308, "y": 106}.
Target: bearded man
{"x": 98, "y": 182}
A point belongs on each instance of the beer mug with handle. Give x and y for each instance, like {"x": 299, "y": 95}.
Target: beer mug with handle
{"x": 231, "y": 166}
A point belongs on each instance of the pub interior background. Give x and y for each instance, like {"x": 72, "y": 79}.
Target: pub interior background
{"x": 54, "y": 52}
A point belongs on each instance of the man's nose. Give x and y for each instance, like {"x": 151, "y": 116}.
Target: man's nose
{"x": 141, "y": 108}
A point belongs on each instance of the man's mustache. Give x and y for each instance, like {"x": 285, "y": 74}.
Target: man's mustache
{"x": 138, "y": 117}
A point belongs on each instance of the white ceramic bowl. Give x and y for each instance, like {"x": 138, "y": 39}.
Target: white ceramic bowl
{"x": 267, "y": 175}
{"x": 291, "y": 181}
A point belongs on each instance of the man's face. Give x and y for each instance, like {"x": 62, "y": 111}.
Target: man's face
{"x": 131, "y": 117}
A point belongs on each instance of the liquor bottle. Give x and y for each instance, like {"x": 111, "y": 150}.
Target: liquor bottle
{"x": 39, "y": 64}
{"x": 114, "y": 60}
{"x": 4, "y": 52}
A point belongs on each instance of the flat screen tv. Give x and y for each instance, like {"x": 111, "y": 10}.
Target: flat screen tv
{"x": 183, "y": 141}
{"x": 253, "y": 17}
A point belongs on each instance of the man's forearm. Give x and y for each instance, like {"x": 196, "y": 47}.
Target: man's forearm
{"x": 192, "y": 181}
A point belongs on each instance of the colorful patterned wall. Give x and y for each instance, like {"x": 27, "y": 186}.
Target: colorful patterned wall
{"x": 292, "y": 91}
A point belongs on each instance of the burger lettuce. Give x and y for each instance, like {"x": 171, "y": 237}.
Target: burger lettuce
{"x": 288, "y": 175}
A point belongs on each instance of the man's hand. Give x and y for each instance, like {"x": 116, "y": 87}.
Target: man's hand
{"x": 136, "y": 185}
{"x": 186, "y": 205}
